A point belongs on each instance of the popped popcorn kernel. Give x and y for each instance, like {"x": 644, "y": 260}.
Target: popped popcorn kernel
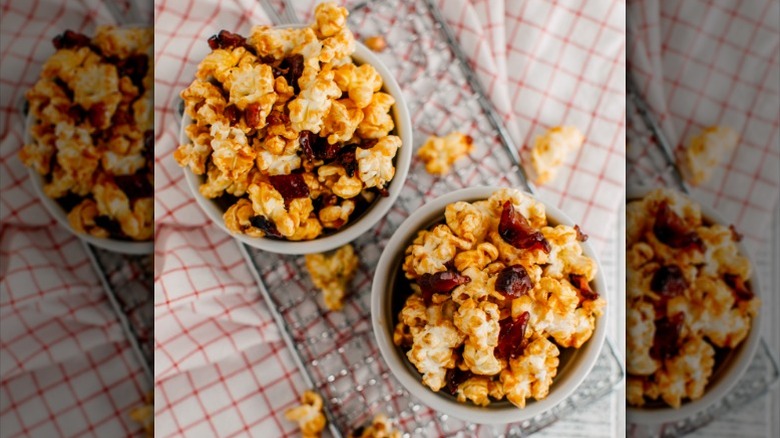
{"x": 552, "y": 148}
{"x": 531, "y": 375}
{"x": 705, "y": 152}
{"x": 440, "y": 153}
{"x": 380, "y": 427}
{"x": 332, "y": 274}
{"x": 308, "y": 415}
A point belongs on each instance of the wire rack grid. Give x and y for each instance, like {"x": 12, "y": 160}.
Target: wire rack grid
{"x": 650, "y": 162}
{"x": 336, "y": 351}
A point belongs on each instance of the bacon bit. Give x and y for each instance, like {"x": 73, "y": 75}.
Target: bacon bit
{"x": 440, "y": 282}
{"x": 735, "y": 235}
{"x": 121, "y": 117}
{"x": 670, "y": 229}
{"x": 97, "y": 115}
{"x": 738, "y": 287}
{"x": 516, "y": 231}
{"x": 291, "y": 68}
{"x": 513, "y": 281}
{"x": 668, "y": 281}
{"x": 290, "y": 186}
{"x": 666, "y": 343}
{"x": 252, "y": 115}
{"x": 581, "y": 283}
{"x": 70, "y": 40}
{"x": 233, "y": 114}
{"x": 279, "y": 118}
{"x": 135, "y": 67}
{"x": 135, "y": 186}
{"x": 511, "y": 337}
{"x": 582, "y": 237}
{"x": 110, "y": 225}
{"x": 455, "y": 377}
{"x": 226, "y": 40}
{"x": 268, "y": 227}
{"x": 76, "y": 112}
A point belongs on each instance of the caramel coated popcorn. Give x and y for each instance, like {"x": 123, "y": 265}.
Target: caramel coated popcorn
{"x": 308, "y": 415}
{"x": 552, "y": 148}
{"x": 706, "y": 151}
{"x": 285, "y": 120}
{"x": 92, "y": 131}
{"x": 332, "y": 274}
{"x": 380, "y": 427}
{"x": 496, "y": 292}
{"x": 440, "y": 153}
{"x": 688, "y": 294}
{"x": 144, "y": 415}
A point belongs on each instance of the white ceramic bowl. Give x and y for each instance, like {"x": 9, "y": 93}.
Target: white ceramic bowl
{"x": 356, "y": 227}
{"x": 575, "y": 364}
{"x": 726, "y": 375}
{"x": 114, "y": 245}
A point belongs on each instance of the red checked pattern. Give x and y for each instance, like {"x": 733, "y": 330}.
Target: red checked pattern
{"x": 703, "y": 63}
{"x": 65, "y": 366}
{"x": 220, "y": 365}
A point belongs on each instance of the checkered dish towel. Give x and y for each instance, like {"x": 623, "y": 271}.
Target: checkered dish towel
{"x": 221, "y": 367}
{"x": 702, "y": 63}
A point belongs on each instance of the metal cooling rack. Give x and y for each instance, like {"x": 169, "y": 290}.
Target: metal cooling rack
{"x": 127, "y": 280}
{"x": 336, "y": 351}
{"x": 650, "y": 161}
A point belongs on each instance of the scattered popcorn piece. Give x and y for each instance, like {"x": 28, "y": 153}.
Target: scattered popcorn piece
{"x": 144, "y": 415}
{"x": 332, "y": 274}
{"x": 380, "y": 427}
{"x": 440, "y": 153}
{"x": 376, "y": 43}
{"x": 551, "y": 149}
{"x": 705, "y": 152}
{"x": 308, "y": 415}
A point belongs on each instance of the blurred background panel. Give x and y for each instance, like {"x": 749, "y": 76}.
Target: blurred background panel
{"x": 702, "y": 119}
{"x": 75, "y": 319}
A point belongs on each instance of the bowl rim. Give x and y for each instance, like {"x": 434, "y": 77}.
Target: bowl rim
{"x": 368, "y": 219}
{"x": 59, "y": 214}
{"x": 564, "y": 385}
{"x": 730, "y": 372}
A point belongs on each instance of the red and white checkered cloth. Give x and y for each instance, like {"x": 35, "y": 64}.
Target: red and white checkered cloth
{"x": 221, "y": 368}
{"x": 701, "y": 63}
{"x": 65, "y": 366}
